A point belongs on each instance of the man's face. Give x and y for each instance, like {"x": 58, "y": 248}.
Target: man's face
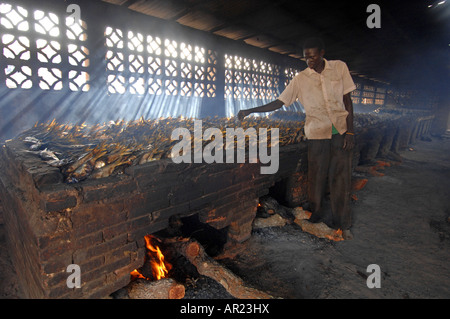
{"x": 313, "y": 57}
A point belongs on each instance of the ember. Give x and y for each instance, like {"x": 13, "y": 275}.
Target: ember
{"x": 336, "y": 235}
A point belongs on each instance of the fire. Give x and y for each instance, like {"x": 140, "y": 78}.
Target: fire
{"x": 160, "y": 267}
{"x": 136, "y": 274}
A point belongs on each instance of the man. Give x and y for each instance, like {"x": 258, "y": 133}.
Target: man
{"x": 323, "y": 89}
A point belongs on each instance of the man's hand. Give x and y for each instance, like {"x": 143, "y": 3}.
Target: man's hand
{"x": 349, "y": 142}
{"x": 242, "y": 114}
{"x": 269, "y": 107}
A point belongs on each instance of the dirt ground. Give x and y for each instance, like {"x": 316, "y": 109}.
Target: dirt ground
{"x": 401, "y": 223}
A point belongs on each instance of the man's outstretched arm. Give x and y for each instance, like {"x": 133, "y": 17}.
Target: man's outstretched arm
{"x": 272, "y": 106}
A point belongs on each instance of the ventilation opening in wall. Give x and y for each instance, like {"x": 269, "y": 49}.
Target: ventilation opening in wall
{"x": 177, "y": 263}
{"x": 44, "y": 39}
{"x": 212, "y": 239}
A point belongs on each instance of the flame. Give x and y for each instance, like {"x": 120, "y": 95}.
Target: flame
{"x": 160, "y": 267}
{"x": 136, "y": 274}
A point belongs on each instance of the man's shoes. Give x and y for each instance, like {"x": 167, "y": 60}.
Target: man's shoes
{"x": 347, "y": 235}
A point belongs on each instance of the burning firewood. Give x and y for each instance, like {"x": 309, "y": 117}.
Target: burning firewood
{"x": 272, "y": 221}
{"x": 320, "y": 230}
{"x": 151, "y": 281}
{"x": 298, "y": 216}
{"x": 300, "y": 213}
{"x": 271, "y": 206}
{"x": 165, "y": 288}
{"x": 358, "y": 184}
{"x": 155, "y": 266}
{"x": 195, "y": 253}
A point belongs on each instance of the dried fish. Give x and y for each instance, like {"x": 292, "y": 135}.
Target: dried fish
{"x": 58, "y": 163}
{"x": 31, "y": 139}
{"x": 99, "y": 164}
{"x": 146, "y": 157}
{"x": 104, "y": 149}
{"x": 80, "y": 161}
{"x": 36, "y": 144}
{"x": 47, "y": 155}
{"x": 36, "y": 147}
{"x": 90, "y": 157}
{"x": 82, "y": 171}
{"x": 107, "y": 170}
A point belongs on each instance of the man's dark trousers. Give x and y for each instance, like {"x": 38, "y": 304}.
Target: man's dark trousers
{"x": 328, "y": 161}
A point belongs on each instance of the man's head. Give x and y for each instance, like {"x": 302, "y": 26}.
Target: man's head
{"x": 313, "y": 51}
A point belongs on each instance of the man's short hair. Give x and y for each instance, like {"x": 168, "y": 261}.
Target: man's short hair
{"x": 312, "y": 43}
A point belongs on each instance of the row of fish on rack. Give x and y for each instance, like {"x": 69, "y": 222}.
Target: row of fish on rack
{"x": 100, "y": 150}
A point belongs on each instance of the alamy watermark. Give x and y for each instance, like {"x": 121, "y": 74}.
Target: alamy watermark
{"x": 74, "y": 279}
{"x": 374, "y": 279}
{"x": 374, "y": 19}
{"x": 212, "y": 152}
{"x": 75, "y": 11}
